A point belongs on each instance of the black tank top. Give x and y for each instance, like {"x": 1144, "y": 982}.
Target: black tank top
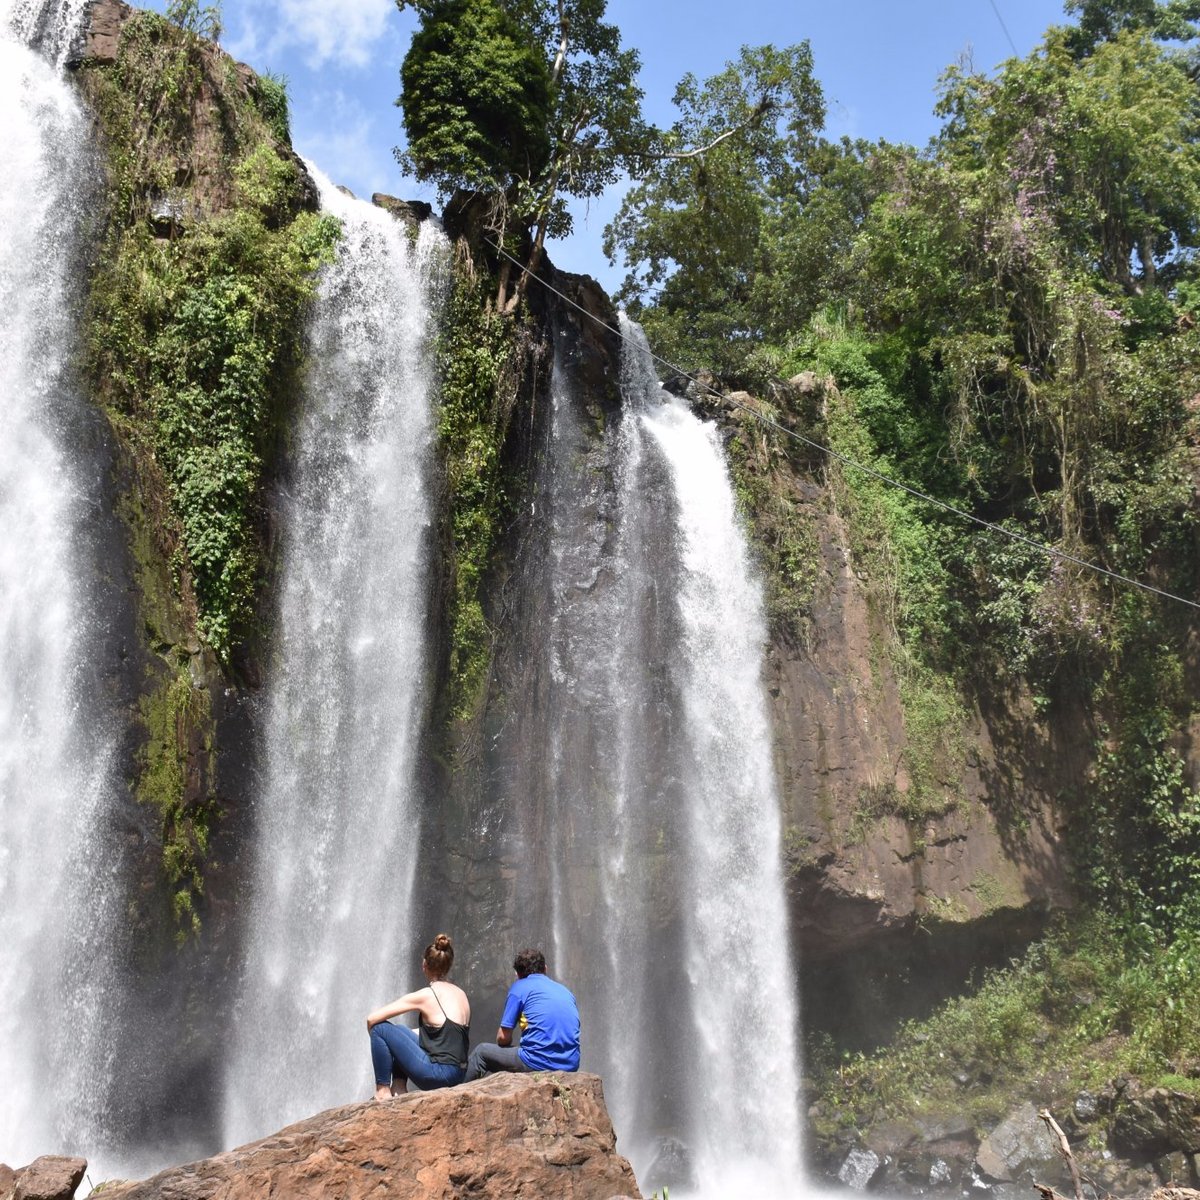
{"x": 445, "y": 1043}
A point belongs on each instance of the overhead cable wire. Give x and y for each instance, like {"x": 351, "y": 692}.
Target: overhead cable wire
{"x": 1012, "y": 534}
{"x": 1016, "y": 52}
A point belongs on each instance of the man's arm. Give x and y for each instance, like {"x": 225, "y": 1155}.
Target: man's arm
{"x": 514, "y": 1002}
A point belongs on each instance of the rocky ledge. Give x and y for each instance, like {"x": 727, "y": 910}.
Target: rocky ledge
{"x": 540, "y": 1135}
{"x": 1127, "y": 1140}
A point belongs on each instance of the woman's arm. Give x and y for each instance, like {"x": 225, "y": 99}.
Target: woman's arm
{"x": 412, "y": 1002}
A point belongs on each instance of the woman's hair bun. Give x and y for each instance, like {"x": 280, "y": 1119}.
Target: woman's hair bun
{"x": 442, "y": 941}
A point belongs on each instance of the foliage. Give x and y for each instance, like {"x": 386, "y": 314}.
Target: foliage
{"x": 477, "y": 351}
{"x": 271, "y": 98}
{"x": 781, "y": 524}
{"x": 1103, "y": 151}
{"x": 690, "y": 233}
{"x": 1078, "y": 1009}
{"x": 1102, "y": 20}
{"x": 171, "y": 714}
{"x": 476, "y": 99}
{"x": 1140, "y": 854}
{"x": 190, "y": 15}
{"x": 526, "y": 101}
{"x": 195, "y": 336}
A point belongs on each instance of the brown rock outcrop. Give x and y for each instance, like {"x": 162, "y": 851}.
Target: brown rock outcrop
{"x": 411, "y": 212}
{"x": 51, "y": 1177}
{"x": 543, "y": 1135}
{"x": 102, "y": 39}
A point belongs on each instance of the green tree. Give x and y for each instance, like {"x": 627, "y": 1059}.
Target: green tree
{"x": 526, "y": 101}
{"x": 807, "y": 237}
{"x": 482, "y": 128}
{"x": 1102, "y": 20}
{"x": 1106, "y": 148}
{"x": 690, "y": 234}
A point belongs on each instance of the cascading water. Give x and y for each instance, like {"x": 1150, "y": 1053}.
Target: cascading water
{"x": 57, "y": 872}
{"x": 663, "y": 879}
{"x": 744, "y": 1120}
{"x": 337, "y": 821}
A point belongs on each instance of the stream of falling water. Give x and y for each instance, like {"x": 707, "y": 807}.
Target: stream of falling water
{"x": 57, "y": 874}
{"x": 666, "y": 883}
{"x": 337, "y": 819}
{"x": 744, "y": 1088}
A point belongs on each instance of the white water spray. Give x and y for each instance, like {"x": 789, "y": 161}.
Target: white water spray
{"x": 337, "y": 821}
{"x": 56, "y": 884}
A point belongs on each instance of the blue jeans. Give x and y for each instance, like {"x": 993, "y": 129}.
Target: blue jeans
{"x": 488, "y": 1058}
{"x": 397, "y": 1058}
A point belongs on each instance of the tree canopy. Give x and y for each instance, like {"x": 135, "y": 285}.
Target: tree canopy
{"x": 691, "y": 232}
{"x": 526, "y": 101}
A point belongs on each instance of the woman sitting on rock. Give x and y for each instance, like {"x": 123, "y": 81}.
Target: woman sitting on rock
{"x": 437, "y": 1056}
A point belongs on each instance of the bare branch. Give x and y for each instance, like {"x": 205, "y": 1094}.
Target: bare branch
{"x": 1064, "y": 1148}
{"x": 1047, "y": 1192}
{"x": 765, "y": 105}
{"x": 564, "y": 28}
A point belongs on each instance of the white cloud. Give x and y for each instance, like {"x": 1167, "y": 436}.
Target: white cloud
{"x": 340, "y": 31}
{"x": 343, "y": 32}
{"x": 335, "y": 132}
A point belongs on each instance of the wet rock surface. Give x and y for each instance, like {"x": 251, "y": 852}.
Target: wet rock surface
{"x": 1020, "y": 1145}
{"x": 1156, "y": 1122}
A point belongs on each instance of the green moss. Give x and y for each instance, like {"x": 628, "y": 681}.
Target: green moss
{"x": 990, "y": 892}
{"x": 178, "y": 750}
{"x": 195, "y": 314}
{"x": 782, "y": 528}
{"x": 935, "y": 743}
{"x": 476, "y": 353}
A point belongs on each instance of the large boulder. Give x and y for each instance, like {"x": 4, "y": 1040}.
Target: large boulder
{"x": 1019, "y": 1147}
{"x": 1157, "y": 1121}
{"x": 545, "y": 1134}
{"x": 51, "y": 1177}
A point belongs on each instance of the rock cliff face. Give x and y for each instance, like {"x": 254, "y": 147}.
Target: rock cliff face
{"x": 543, "y": 1135}
{"x": 890, "y": 915}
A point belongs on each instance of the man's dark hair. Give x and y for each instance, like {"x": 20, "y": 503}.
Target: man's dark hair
{"x": 529, "y": 962}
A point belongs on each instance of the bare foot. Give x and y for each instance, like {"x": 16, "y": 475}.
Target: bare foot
{"x": 382, "y": 1092}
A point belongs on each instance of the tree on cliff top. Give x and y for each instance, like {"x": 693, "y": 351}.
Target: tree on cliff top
{"x": 532, "y": 101}
{"x": 526, "y": 101}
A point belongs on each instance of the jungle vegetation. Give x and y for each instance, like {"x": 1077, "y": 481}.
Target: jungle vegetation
{"x": 1009, "y": 316}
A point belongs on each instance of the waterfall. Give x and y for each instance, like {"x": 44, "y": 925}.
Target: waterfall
{"x": 337, "y": 823}
{"x": 58, "y": 871}
{"x": 744, "y": 1087}
{"x": 665, "y": 883}
{"x": 51, "y": 27}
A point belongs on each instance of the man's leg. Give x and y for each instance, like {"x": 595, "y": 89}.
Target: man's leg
{"x": 488, "y": 1058}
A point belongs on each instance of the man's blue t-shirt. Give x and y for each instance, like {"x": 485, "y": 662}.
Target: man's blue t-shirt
{"x": 550, "y": 1040}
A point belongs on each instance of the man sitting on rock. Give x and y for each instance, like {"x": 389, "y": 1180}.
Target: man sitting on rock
{"x": 549, "y": 1021}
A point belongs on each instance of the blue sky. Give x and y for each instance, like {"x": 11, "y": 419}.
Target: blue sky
{"x": 878, "y": 62}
